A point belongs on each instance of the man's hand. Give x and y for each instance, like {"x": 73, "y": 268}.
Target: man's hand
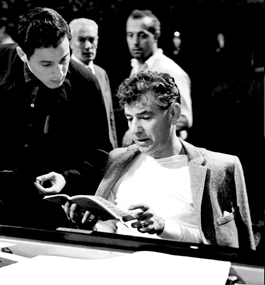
{"x": 148, "y": 221}
{"x": 55, "y": 182}
{"x": 127, "y": 139}
{"x": 84, "y": 220}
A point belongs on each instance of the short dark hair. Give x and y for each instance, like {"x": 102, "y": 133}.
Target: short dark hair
{"x": 155, "y": 24}
{"x": 41, "y": 28}
{"x": 161, "y": 85}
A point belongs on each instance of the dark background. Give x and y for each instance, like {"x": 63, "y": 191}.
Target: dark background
{"x": 227, "y": 86}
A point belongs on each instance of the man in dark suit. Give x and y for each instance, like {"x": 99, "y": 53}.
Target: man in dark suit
{"x": 84, "y": 47}
{"x": 54, "y": 131}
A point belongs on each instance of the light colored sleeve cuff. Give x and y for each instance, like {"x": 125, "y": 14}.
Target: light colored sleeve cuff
{"x": 106, "y": 226}
{"x": 179, "y": 232}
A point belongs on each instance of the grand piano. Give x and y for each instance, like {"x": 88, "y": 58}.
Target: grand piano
{"x": 247, "y": 267}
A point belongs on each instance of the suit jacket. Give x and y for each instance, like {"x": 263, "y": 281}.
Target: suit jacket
{"x": 106, "y": 91}
{"x": 218, "y": 189}
{"x": 77, "y": 127}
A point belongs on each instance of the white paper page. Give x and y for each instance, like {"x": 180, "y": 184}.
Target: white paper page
{"x": 136, "y": 268}
{"x": 4, "y": 244}
{"x": 7, "y": 259}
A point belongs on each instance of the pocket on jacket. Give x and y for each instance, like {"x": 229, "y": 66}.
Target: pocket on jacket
{"x": 226, "y": 231}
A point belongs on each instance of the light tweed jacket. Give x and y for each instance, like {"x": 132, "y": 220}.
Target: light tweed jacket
{"x": 218, "y": 189}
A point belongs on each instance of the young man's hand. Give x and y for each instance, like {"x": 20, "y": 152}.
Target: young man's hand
{"x": 51, "y": 183}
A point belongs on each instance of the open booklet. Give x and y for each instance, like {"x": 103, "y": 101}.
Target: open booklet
{"x": 97, "y": 205}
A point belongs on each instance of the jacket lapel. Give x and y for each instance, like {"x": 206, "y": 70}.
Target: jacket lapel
{"x": 115, "y": 170}
{"x": 196, "y": 166}
{"x": 197, "y": 176}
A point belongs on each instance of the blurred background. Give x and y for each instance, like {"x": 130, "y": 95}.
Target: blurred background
{"x": 221, "y": 47}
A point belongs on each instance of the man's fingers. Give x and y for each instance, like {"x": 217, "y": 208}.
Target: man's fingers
{"x": 50, "y": 183}
{"x": 73, "y": 210}
{"x": 137, "y": 211}
{"x": 136, "y": 224}
{"x": 82, "y": 219}
{"x": 134, "y": 214}
{"x": 89, "y": 220}
{"x": 48, "y": 190}
{"x": 85, "y": 217}
{"x": 143, "y": 207}
{"x": 141, "y": 225}
{"x": 67, "y": 208}
{"x": 48, "y": 176}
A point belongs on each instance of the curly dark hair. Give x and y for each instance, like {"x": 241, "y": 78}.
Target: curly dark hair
{"x": 160, "y": 84}
{"x": 41, "y": 28}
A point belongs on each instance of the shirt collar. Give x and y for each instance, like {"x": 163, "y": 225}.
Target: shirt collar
{"x": 29, "y": 76}
{"x": 90, "y": 65}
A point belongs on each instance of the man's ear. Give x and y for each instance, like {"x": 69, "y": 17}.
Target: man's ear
{"x": 21, "y": 54}
{"x": 71, "y": 43}
{"x": 175, "y": 113}
{"x": 157, "y": 35}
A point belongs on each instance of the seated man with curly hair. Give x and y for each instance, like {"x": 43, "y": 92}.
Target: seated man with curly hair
{"x": 174, "y": 190}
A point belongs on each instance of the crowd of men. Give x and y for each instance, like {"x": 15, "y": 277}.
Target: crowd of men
{"x": 58, "y": 133}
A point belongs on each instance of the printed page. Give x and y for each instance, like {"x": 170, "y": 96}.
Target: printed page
{"x": 96, "y": 203}
{"x": 137, "y": 268}
{"x": 9, "y": 258}
{"x": 60, "y": 199}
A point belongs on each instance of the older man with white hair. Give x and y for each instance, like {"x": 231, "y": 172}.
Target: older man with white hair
{"x": 84, "y": 47}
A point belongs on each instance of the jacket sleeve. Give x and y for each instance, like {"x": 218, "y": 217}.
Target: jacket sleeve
{"x": 90, "y": 133}
{"x": 224, "y": 210}
{"x": 244, "y": 224}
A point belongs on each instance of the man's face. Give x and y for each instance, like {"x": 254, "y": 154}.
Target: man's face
{"x": 50, "y": 65}
{"x": 140, "y": 41}
{"x": 2, "y": 34}
{"x": 177, "y": 42}
{"x": 84, "y": 43}
{"x": 151, "y": 127}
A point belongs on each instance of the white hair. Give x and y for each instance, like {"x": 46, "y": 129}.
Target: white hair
{"x": 77, "y": 23}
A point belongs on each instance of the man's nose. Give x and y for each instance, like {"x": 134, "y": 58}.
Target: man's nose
{"x": 58, "y": 71}
{"x": 136, "y": 126}
{"x": 88, "y": 44}
{"x": 135, "y": 40}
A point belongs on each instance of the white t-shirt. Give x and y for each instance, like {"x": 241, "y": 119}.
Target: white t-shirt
{"x": 164, "y": 185}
